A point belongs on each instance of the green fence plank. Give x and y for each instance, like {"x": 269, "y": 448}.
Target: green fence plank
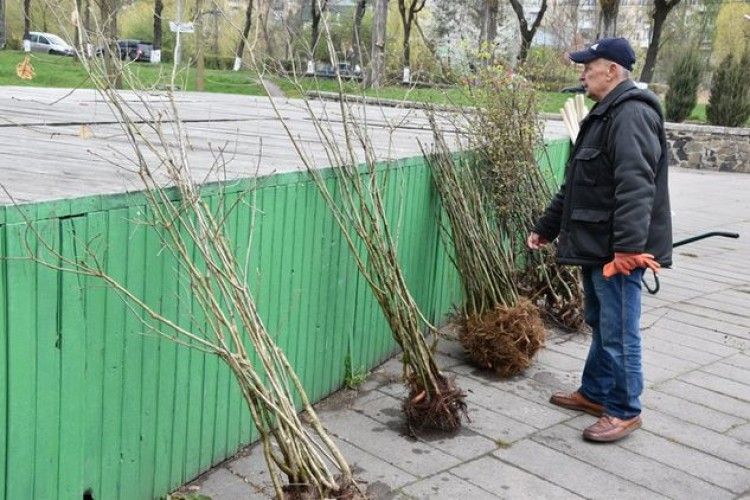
{"x": 221, "y": 419}
{"x": 22, "y": 363}
{"x": 167, "y": 387}
{"x": 72, "y": 367}
{"x": 3, "y": 362}
{"x": 196, "y": 374}
{"x": 154, "y": 294}
{"x": 49, "y": 348}
{"x": 96, "y": 329}
{"x": 132, "y": 360}
{"x": 210, "y": 374}
{"x": 114, "y": 344}
{"x": 182, "y": 377}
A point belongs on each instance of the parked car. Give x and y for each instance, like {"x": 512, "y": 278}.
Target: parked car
{"x": 135, "y": 50}
{"x": 344, "y": 69}
{"x": 50, "y": 44}
{"x": 576, "y": 89}
{"x": 132, "y": 50}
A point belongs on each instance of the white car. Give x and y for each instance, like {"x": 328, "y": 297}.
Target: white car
{"x": 50, "y": 44}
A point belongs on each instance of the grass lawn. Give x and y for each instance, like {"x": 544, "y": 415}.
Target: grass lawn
{"x": 67, "y": 72}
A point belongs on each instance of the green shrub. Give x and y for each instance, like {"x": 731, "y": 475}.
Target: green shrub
{"x": 219, "y": 62}
{"x": 549, "y": 69}
{"x": 682, "y": 95}
{"x": 729, "y": 104}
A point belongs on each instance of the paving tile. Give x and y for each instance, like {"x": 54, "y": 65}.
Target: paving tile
{"x": 466, "y": 444}
{"x": 222, "y": 484}
{"x": 719, "y": 384}
{"x": 706, "y": 397}
{"x": 251, "y": 467}
{"x": 367, "y": 469}
{"x": 685, "y": 338}
{"x": 578, "y": 350}
{"x": 371, "y": 471}
{"x": 709, "y": 323}
{"x": 387, "y": 443}
{"x": 729, "y": 371}
{"x": 567, "y": 471}
{"x": 446, "y": 486}
{"x": 629, "y": 465}
{"x": 741, "y": 432}
{"x": 693, "y": 461}
{"x": 675, "y": 364}
{"x": 494, "y": 396}
{"x": 689, "y": 411}
{"x": 725, "y": 447}
{"x": 552, "y": 377}
{"x": 497, "y": 427}
{"x": 741, "y": 360}
{"x": 674, "y": 349}
{"x": 452, "y": 348}
{"x": 698, "y": 312}
{"x": 508, "y": 481}
{"x": 563, "y": 361}
{"x": 737, "y": 306}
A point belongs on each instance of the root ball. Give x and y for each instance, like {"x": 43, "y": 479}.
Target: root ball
{"x": 505, "y": 339}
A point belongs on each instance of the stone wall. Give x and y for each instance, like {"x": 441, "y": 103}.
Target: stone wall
{"x": 709, "y": 148}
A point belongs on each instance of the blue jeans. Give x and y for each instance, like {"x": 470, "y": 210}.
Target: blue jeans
{"x": 613, "y": 375}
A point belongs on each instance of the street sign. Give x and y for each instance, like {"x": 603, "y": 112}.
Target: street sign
{"x": 181, "y": 27}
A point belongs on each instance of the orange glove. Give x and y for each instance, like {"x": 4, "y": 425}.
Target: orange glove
{"x": 623, "y": 263}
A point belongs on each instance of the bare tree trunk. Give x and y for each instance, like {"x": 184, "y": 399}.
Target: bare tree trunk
{"x": 359, "y": 14}
{"x": 661, "y": 10}
{"x": 87, "y": 15}
{"x": 26, "y": 25}
{"x": 267, "y": 37}
{"x": 77, "y": 34}
{"x": 608, "y": 18}
{"x": 108, "y": 14}
{"x": 408, "y": 14}
{"x": 215, "y": 13}
{"x": 377, "y": 60}
{"x": 156, "y": 53}
{"x": 243, "y": 37}
{"x": 488, "y": 27}
{"x": 200, "y": 61}
{"x": 317, "y": 7}
{"x": 527, "y": 33}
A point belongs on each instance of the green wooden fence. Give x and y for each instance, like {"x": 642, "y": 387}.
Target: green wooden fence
{"x": 92, "y": 403}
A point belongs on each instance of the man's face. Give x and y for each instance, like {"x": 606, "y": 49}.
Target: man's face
{"x": 597, "y": 77}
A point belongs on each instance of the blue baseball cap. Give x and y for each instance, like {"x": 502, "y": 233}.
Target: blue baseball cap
{"x": 614, "y": 49}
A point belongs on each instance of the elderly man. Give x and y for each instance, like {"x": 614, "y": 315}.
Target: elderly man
{"x": 612, "y": 217}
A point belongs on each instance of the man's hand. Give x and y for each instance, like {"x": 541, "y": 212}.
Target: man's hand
{"x": 623, "y": 263}
{"x": 535, "y": 241}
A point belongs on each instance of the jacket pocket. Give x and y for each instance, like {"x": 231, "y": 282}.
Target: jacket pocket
{"x": 591, "y": 233}
{"x": 588, "y": 163}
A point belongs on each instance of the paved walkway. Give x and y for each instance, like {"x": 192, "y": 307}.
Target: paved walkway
{"x": 695, "y": 442}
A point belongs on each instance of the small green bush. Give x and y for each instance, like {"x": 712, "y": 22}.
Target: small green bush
{"x": 219, "y": 62}
{"x": 682, "y": 95}
{"x": 729, "y": 104}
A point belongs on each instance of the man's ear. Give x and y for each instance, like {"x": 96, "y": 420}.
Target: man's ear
{"x": 612, "y": 70}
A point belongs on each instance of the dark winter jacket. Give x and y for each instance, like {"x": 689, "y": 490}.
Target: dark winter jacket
{"x": 615, "y": 197}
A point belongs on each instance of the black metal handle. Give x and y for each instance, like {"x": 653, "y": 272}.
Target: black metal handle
{"x": 657, "y": 286}
{"x": 705, "y": 235}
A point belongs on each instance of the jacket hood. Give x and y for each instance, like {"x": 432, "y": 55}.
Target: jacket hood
{"x": 626, "y": 91}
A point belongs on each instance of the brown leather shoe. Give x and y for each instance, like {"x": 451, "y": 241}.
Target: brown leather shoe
{"x": 608, "y": 428}
{"x": 577, "y": 401}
